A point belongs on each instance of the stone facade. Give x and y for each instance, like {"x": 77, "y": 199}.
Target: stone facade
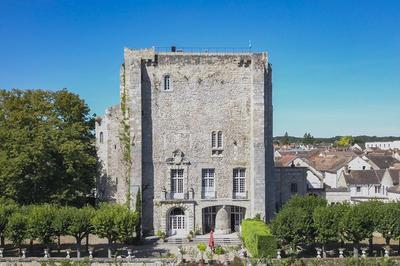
{"x": 289, "y": 181}
{"x": 193, "y": 133}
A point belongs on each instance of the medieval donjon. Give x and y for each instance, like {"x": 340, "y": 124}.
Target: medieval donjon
{"x": 193, "y": 134}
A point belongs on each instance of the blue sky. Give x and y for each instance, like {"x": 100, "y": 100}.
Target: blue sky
{"x": 336, "y": 64}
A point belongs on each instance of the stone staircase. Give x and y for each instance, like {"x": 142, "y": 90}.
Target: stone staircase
{"x": 222, "y": 240}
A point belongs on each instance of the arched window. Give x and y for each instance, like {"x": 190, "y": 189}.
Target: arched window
{"x": 177, "y": 211}
{"x": 214, "y": 139}
{"x": 220, "y": 139}
{"x": 167, "y": 83}
{"x": 101, "y": 137}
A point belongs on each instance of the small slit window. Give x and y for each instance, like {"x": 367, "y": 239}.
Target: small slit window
{"x": 101, "y": 137}
{"x": 167, "y": 83}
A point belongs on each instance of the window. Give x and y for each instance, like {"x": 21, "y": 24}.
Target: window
{"x": 377, "y": 189}
{"x": 207, "y": 183}
{"x": 216, "y": 142}
{"x": 219, "y": 139}
{"x": 239, "y": 181}
{"x": 358, "y": 189}
{"x": 237, "y": 215}
{"x": 177, "y": 181}
{"x": 167, "y": 83}
{"x": 293, "y": 188}
{"x": 101, "y": 137}
{"x": 364, "y": 167}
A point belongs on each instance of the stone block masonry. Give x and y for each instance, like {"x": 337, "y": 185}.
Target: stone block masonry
{"x": 198, "y": 130}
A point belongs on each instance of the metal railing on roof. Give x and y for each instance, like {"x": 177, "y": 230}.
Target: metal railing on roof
{"x": 202, "y": 49}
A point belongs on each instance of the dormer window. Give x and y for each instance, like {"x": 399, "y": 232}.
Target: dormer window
{"x": 167, "y": 83}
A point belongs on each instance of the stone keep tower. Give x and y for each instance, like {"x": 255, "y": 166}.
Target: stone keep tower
{"x": 193, "y": 134}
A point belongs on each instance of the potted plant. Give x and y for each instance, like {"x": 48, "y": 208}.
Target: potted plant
{"x": 182, "y": 251}
{"x": 202, "y": 248}
{"x": 162, "y": 235}
{"x": 210, "y": 257}
{"x": 219, "y": 251}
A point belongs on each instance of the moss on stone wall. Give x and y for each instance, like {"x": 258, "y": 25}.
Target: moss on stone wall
{"x": 125, "y": 137}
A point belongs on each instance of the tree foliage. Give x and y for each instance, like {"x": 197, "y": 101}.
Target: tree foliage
{"x": 46, "y": 147}
{"x": 389, "y": 221}
{"x": 41, "y": 223}
{"x": 114, "y": 222}
{"x": 7, "y": 207}
{"x": 345, "y": 141}
{"x": 327, "y": 223}
{"x": 291, "y": 226}
{"x": 356, "y": 224}
{"x": 308, "y": 139}
{"x": 17, "y": 228}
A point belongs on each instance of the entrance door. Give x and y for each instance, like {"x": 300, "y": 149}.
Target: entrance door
{"x": 209, "y": 215}
{"x": 177, "y": 222}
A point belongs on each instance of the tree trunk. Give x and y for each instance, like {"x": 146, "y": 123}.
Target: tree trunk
{"x": 78, "y": 248}
{"x": 2, "y": 241}
{"x": 109, "y": 249}
{"x": 323, "y": 251}
{"x": 355, "y": 249}
{"x": 87, "y": 243}
{"x": 398, "y": 247}
{"x": 370, "y": 242}
{"x": 59, "y": 243}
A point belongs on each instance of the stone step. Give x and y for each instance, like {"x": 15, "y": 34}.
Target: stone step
{"x": 218, "y": 241}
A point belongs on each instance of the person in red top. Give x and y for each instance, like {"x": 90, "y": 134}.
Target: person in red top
{"x": 211, "y": 243}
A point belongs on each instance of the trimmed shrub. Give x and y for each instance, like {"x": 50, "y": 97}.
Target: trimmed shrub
{"x": 258, "y": 239}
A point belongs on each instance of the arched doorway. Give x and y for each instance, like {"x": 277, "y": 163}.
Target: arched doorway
{"x": 177, "y": 222}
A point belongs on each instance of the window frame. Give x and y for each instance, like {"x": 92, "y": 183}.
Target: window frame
{"x": 167, "y": 83}
{"x": 217, "y": 143}
{"x": 207, "y": 178}
{"x": 239, "y": 181}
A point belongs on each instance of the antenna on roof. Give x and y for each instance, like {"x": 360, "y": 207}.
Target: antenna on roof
{"x": 249, "y": 45}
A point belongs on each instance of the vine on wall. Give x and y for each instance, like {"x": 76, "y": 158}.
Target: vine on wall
{"x": 125, "y": 137}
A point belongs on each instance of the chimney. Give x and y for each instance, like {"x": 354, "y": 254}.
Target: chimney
{"x": 173, "y": 49}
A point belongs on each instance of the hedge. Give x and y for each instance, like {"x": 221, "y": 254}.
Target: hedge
{"x": 258, "y": 239}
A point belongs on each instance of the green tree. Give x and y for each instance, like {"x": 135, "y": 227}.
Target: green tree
{"x": 326, "y": 221}
{"x": 291, "y": 226}
{"x": 372, "y": 209}
{"x": 7, "y": 207}
{"x": 61, "y": 222}
{"x": 308, "y": 139}
{"x": 126, "y": 222}
{"x": 17, "y": 229}
{"x": 80, "y": 224}
{"x": 345, "y": 141}
{"x": 307, "y": 203}
{"x": 285, "y": 139}
{"x": 46, "y": 147}
{"x": 114, "y": 222}
{"x": 41, "y": 225}
{"x": 355, "y": 226}
{"x": 388, "y": 221}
